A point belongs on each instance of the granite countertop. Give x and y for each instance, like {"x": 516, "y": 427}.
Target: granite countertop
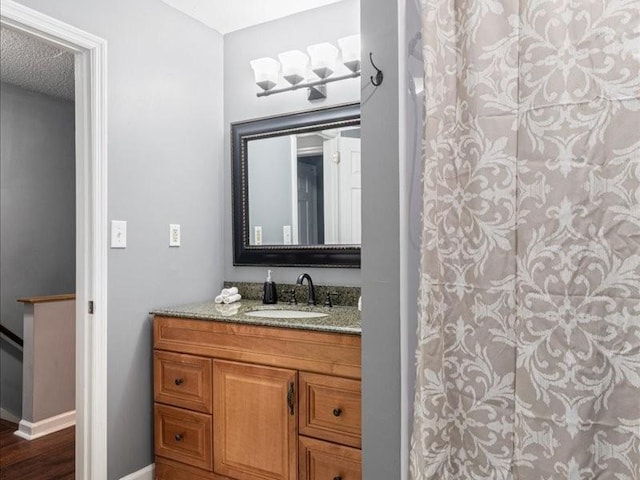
{"x": 339, "y": 319}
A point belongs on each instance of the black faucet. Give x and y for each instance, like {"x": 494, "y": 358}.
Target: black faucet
{"x": 311, "y": 298}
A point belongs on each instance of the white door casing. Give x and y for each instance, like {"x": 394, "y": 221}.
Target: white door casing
{"x": 294, "y": 189}
{"x": 91, "y": 226}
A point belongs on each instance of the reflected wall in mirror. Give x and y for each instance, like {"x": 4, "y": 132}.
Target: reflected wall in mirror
{"x": 296, "y": 183}
{"x": 304, "y": 189}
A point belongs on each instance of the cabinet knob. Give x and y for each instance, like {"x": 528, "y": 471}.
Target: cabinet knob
{"x": 336, "y": 413}
{"x": 337, "y": 478}
{"x": 179, "y": 437}
{"x": 178, "y": 381}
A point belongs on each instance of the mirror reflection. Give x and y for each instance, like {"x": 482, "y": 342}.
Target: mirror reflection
{"x": 304, "y": 188}
{"x": 296, "y": 189}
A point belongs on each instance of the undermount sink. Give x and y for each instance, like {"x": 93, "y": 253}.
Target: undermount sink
{"x": 285, "y": 314}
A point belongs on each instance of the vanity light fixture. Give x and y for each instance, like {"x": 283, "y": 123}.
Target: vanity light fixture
{"x": 322, "y": 62}
{"x": 294, "y": 66}
{"x": 324, "y": 57}
{"x": 266, "y": 72}
{"x": 350, "y": 47}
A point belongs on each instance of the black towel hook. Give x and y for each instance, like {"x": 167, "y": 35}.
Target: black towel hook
{"x": 379, "y": 76}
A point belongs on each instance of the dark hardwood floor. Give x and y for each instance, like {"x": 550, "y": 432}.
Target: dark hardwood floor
{"x": 46, "y": 458}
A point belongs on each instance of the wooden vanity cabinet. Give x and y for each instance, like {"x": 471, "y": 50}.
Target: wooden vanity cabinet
{"x": 245, "y": 402}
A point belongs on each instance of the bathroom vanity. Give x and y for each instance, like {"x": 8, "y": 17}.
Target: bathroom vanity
{"x": 250, "y": 398}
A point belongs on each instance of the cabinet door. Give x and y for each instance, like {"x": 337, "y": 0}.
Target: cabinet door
{"x": 255, "y": 418}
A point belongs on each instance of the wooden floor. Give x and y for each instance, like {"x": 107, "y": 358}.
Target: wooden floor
{"x": 46, "y": 458}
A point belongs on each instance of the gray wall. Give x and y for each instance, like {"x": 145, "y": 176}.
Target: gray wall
{"x": 325, "y": 24}
{"x": 37, "y": 214}
{"x": 269, "y": 174}
{"x": 381, "y": 365}
{"x": 165, "y": 159}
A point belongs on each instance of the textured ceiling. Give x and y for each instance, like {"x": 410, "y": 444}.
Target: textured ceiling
{"x": 226, "y": 16}
{"x": 35, "y": 65}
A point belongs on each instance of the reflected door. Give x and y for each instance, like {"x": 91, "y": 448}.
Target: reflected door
{"x": 310, "y": 201}
{"x": 343, "y": 190}
{"x": 350, "y": 191}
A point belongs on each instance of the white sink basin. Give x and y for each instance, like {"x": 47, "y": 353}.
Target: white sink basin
{"x": 284, "y": 314}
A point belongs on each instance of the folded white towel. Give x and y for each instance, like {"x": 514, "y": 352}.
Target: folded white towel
{"x": 228, "y": 310}
{"x": 227, "y": 292}
{"x": 232, "y": 298}
{"x": 219, "y": 299}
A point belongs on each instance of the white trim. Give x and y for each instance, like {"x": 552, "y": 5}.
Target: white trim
{"x": 91, "y": 226}
{"x": 8, "y": 416}
{"x": 146, "y": 473}
{"x": 294, "y": 189}
{"x": 405, "y": 297}
{"x": 31, "y": 431}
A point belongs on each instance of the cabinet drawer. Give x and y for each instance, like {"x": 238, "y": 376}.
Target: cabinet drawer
{"x": 183, "y": 435}
{"x": 304, "y": 350}
{"x": 326, "y": 461}
{"x": 169, "y": 470}
{"x": 182, "y": 380}
{"x": 330, "y": 408}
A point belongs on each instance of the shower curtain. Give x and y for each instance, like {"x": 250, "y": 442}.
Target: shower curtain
{"x": 528, "y": 360}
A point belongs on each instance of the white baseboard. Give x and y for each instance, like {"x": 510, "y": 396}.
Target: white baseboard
{"x": 146, "y": 473}
{"x": 31, "y": 431}
{"x": 8, "y": 416}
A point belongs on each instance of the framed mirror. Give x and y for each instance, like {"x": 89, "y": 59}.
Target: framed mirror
{"x": 296, "y": 189}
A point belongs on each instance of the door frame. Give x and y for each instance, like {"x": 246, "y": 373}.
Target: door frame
{"x": 90, "y": 54}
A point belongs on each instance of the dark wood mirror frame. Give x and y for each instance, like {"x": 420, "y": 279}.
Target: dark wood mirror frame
{"x": 244, "y": 254}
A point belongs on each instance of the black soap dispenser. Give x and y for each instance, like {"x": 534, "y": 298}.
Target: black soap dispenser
{"x": 270, "y": 295}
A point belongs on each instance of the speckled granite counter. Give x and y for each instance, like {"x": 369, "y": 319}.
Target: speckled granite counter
{"x": 338, "y": 319}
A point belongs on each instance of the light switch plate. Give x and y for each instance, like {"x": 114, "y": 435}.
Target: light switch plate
{"x": 118, "y": 234}
{"x": 174, "y": 235}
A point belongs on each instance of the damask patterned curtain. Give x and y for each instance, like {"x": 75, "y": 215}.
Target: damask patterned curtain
{"x": 528, "y": 362}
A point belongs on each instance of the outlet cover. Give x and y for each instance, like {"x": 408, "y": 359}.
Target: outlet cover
{"x": 257, "y": 235}
{"x": 174, "y": 235}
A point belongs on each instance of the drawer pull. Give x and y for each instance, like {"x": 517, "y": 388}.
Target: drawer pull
{"x": 179, "y": 437}
{"x": 336, "y": 413}
{"x": 178, "y": 381}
